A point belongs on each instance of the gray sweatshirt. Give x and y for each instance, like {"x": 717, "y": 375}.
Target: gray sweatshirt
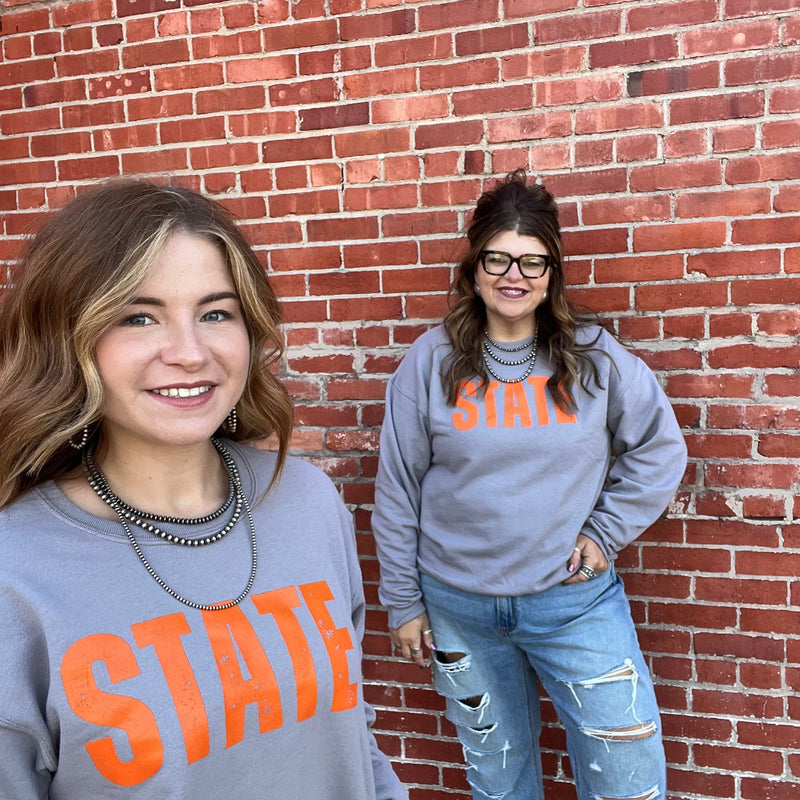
{"x": 489, "y": 495}
{"x": 111, "y": 688}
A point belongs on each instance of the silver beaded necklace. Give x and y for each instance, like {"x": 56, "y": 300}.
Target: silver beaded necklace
{"x": 99, "y": 484}
{"x": 490, "y": 346}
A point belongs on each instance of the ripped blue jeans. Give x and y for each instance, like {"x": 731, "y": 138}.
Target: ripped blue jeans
{"x": 581, "y": 643}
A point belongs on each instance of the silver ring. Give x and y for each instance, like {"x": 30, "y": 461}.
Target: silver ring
{"x": 427, "y": 631}
{"x": 416, "y": 650}
{"x": 576, "y": 549}
{"x": 588, "y": 571}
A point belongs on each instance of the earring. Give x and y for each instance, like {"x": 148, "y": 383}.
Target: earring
{"x": 544, "y": 296}
{"x": 82, "y": 443}
{"x": 232, "y": 421}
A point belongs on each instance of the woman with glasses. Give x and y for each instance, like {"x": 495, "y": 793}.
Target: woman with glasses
{"x": 522, "y": 449}
{"x": 180, "y": 614}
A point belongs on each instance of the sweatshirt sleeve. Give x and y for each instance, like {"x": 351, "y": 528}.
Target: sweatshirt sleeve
{"x": 27, "y": 754}
{"x": 387, "y": 784}
{"x": 649, "y": 455}
{"x": 405, "y": 455}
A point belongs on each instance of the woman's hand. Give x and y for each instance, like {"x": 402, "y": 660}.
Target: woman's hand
{"x": 410, "y": 637}
{"x": 587, "y": 553}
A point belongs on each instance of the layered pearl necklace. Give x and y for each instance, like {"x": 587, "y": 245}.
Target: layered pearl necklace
{"x": 491, "y": 348}
{"x": 127, "y": 513}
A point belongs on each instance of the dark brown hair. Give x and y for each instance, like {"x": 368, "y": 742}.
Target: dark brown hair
{"x": 515, "y": 204}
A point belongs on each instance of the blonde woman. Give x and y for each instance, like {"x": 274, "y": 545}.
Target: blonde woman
{"x": 177, "y": 620}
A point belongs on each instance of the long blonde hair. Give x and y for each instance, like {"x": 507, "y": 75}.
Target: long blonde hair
{"x": 514, "y": 204}
{"x": 79, "y": 272}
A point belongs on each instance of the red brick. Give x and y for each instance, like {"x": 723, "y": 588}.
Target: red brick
{"x": 367, "y": 84}
{"x": 761, "y": 789}
{"x": 89, "y": 167}
{"x": 679, "y": 236}
{"x": 61, "y": 143}
{"x": 676, "y": 175}
{"x": 466, "y": 12}
{"x": 787, "y": 198}
{"x": 734, "y": 38}
{"x": 242, "y": 98}
{"x": 734, "y": 137}
{"x": 448, "y": 134}
{"x": 550, "y": 62}
{"x": 300, "y": 35}
{"x": 652, "y": 16}
{"x": 407, "y": 50}
{"x": 779, "y": 291}
{"x": 25, "y": 21}
{"x": 147, "y": 108}
{"x": 208, "y": 156}
{"x": 708, "y": 385}
{"x": 627, "y": 52}
{"x": 775, "y": 476}
{"x": 162, "y": 160}
{"x": 492, "y": 39}
{"x": 337, "y": 116}
{"x": 466, "y": 73}
{"x": 784, "y": 100}
{"x": 638, "y": 147}
{"x": 779, "y": 323}
{"x": 766, "y": 231}
{"x": 779, "y": 445}
{"x": 619, "y": 118}
{"x": 686, "y": 143}
{"x": 745, "y": 8}
{"x": 578, "y": 27}
{"x": 533, "y": 126}
{"x": 766, "y": 67}
{"x": 741, "y": 262}
{"x": 380, "y": 197}
{"x": 716, "y": 107}
{"x": 372, "y": 142}
{"x": 575, "y": 91}
{"x": 748, "y": 355}
{"x": 530, "y": 8}
{"x": 740, "y": 203}
{"x": 448, "y": 194}
{"x": 221, "y": 46}
{"x": 401, "y": 109}
{"x": 426, "y": 222}
{"x": 587, "y": 153}
{"x": 119, "y": 85}
{"x": 50, "y": 42}
{"x": 742, "y": 590}
{"x": 17, "y": 47}
{"x": 595, "y": 241}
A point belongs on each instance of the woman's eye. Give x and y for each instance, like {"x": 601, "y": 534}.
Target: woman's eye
{"x": 137, "y": 320}
{"x": 217, "y": 315}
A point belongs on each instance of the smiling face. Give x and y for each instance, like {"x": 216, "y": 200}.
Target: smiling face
{"x": 176, "y": 362}
{"x": 511, "y": 300}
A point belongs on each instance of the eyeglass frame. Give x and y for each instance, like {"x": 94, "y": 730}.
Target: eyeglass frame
{"x": 549, "y": 262}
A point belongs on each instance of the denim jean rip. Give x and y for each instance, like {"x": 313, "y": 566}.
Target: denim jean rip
{"x": 641, "y": 730}
{"x": 650, "y": 794}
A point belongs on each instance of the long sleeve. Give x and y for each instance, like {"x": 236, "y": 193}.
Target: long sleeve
{"x": 27, "y": 756}
{"x": 650, "y": 457}
{"x": 405, "y": 458}
{"x": 387, "y": 784}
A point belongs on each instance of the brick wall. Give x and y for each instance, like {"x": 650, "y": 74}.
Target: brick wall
{"x": 352, "y": 136}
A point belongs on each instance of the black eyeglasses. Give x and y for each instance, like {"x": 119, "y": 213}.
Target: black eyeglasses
{"x": 496, "y": 262}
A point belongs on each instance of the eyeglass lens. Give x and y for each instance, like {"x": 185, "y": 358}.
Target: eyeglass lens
{"x": 496, "y": 262}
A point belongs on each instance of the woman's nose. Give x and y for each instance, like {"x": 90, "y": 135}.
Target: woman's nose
{"x": 183, "y": 345}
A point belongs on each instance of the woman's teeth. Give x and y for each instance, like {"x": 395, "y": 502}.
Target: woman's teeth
{"x": 182, "y": 391}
